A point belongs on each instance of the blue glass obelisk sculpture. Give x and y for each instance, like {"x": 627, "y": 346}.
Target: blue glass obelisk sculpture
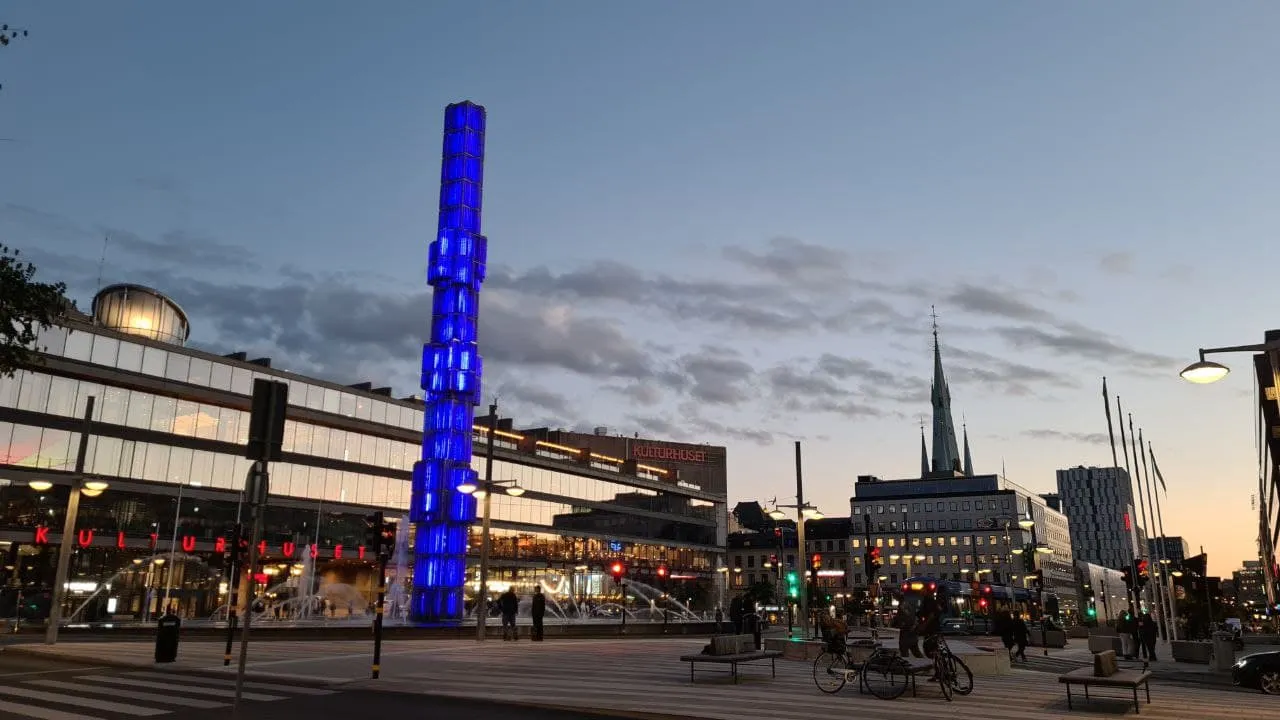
{"x": 451, "y": 367}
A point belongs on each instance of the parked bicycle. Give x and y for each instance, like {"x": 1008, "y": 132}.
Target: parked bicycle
{"x": 885, "y": 673}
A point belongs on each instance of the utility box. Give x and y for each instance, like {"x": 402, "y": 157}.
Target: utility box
{"x": 167, "y": 631}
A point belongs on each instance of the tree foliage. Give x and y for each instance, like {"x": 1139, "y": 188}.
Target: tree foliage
{"x": 9, "y": 34}
{"x": 25, "y": 306}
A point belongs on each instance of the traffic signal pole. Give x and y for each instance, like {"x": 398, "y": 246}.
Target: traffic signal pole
{"x": 377, "y": 618}
{"x": 802, "y": 550}
{"x": 234, "y": 568}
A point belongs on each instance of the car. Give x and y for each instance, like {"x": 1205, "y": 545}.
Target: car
{"x": 1260, "y": 671}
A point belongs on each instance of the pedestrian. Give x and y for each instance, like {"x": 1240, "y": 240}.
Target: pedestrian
{"x": 1135, "y": 635}
{"x": 1149, "y": 631}
{"x": 1128, "y": 648}
{"x": 509, "y": 604}
{"x": 719, "y": 620}
{"x": 1020, "y": 636}
{"x": 905, "y": 621}
{"x": 537, "y": 609}
{"x": 1004, "y": 628}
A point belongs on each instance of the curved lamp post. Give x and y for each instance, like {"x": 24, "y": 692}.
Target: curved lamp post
{"x": 1203, "y": 372}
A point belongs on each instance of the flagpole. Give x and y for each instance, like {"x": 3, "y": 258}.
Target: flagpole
{"x": 1158, "y": 589}
{"x": 1142, "y": 509}
{"x": 1170, "y": 596}
{"x": 1136, "y": 600}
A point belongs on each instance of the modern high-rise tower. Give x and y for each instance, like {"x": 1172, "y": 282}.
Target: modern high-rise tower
{"x": 451, "y": 375}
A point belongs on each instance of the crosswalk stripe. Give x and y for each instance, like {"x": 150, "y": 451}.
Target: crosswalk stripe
{"x": 8, "y": 709}
{"x": 130, "y": 694}
{"x": 91, "y": 703}
{"x": 213, "y": 692}
{"x": 199, "y": 679}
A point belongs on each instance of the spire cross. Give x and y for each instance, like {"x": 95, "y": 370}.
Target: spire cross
{"x": 933, "y": 313}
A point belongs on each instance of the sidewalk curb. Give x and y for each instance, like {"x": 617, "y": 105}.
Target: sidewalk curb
{"x": 571, "y": 709}
{"x": 204, "y": 671}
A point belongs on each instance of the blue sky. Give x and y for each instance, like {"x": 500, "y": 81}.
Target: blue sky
{"x": 1081, "y": 189}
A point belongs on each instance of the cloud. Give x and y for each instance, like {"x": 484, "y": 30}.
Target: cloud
{"x": 794, "y": 261}
{"x": 1071, "y": 339}
{"x": 1009, "y": 377}
{"x": 1087, "y": 438}
{"x": 1116, "y": 263}
{"x": 719, "y": 376}
{"x": 987, "y": 301}
{"x": 179, "y": 248}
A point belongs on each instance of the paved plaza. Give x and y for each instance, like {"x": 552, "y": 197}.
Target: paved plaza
{"x": 645, "y": 677}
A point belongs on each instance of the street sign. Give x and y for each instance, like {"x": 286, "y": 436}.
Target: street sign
{"x": 266, "y": 420}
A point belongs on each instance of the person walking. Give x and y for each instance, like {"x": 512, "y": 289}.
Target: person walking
{"x": 1148, "y": 631}
{"x": 719, "y": 620}
{"x": 509, "y": 604}
{"x": 1004, "y": 628}
{"x": 537, "y": 609}
{"x": 1020, "y": 636}
{"x": 1135, "y": 635}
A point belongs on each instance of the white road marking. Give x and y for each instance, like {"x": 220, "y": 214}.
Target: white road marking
{"x": 8, "y": 709}
{"x": 91, "y": 703}
{"x": 130, "y": 694}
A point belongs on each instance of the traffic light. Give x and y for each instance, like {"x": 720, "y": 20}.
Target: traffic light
{"x": 386, "y": 539}
{"x": 1091, "y": 612}
{"x": 872, "y": 564}
{"x": 1128, "y": 577}
{"x": 662, "y": 572}
{"x": 816, "y": 561}
{"x": 617, "y": 570}
{"x": 793, "y": 585}
{"x": 373, "y": 526}
{"x": 1144, "y": 573}
{"x": 773, "y": 561}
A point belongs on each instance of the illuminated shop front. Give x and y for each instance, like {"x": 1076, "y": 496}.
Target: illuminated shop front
{"x": 168, "y": 434}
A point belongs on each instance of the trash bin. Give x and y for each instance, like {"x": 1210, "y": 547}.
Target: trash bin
{"x": 167, "y": 638}
{"x": 1224, "y": 651}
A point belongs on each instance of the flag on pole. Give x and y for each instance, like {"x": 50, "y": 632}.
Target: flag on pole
{"x": 1156, "y": 466}
{"x": 1111, "y": 433}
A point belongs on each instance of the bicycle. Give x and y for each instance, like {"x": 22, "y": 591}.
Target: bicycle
{"x": 883, "y": 674}
{"x": 953, "y": 675}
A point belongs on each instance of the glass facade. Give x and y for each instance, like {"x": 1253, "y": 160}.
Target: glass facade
{"x": 167, "y": 418}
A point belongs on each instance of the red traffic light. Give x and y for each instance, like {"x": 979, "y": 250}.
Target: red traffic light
{"x": 662, "y": 571}
{"x": 875, "y": 554}
{"x": 817, "y": 560}
{"x": 1142, "y": 567}
{"x": 616, "y": 570}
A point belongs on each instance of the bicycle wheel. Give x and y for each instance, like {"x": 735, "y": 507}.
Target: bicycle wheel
{"x": 961, "y": 675}
{"x": 942, "y": 674}
{"x": 885, "y": 676}
{"x": 829, "y": 672}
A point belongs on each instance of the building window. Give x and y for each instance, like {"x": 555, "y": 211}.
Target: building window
{"x": 966, "y": 506}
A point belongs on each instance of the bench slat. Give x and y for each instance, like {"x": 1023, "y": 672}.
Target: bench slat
{"x": 741, "y": 657}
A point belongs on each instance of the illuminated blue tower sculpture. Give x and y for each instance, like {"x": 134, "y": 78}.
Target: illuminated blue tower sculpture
{"x": 451, "y": 366}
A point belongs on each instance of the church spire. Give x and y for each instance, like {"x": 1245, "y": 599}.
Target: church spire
{"x": 968, "y": 459}
{"x": 924, "y": 452}
{"x": 946, "y": 456}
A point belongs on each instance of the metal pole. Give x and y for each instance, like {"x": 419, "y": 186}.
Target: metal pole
{"x": 1157, "y": 587}
{"x": 377, "y": 618}
{"x": 1165, "y": 577}
{"x": 257, "y": 508}
{"x": 801, "y": 550}
{"x": 482, "y": 596}
{"x": 1142, "y": 512}
{"x": 1035, "y": 565}
{"x": 173, "y": 547}
{"x": 233, "y": 590}
{"x": 69, "y": 528}
{"x": 1132, "y": 594}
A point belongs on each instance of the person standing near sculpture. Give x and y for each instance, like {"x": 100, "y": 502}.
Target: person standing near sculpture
{"x": 509, "y": 604}
{"x": 537, "y": 609}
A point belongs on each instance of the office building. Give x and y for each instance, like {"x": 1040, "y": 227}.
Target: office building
{"x": 958, "y": 527}
{"x": 1172, "y": 548}
{"x": 1250, "y": 589}
{"x": 168, "y": 436}
{"x": 1098, "y": 502}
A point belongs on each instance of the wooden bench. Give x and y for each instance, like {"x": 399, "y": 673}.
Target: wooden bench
{"x": 1107, "y": 673}
{"x": 733, "y": 650}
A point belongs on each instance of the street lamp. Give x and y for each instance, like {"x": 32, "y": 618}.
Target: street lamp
{"x": 804, "y": 512}
{"x": 1204, "y": 372}
{"x": 81, "y": 484}
{"x": 484, "y": 490}
{"x": 173, "y": 543}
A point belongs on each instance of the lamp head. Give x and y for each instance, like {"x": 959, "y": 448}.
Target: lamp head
{"x": 467, "y": 488}
{"x": 515, "y": 490}
{"x": 777, "y": 514}
{"x": 1204, "y": 372}
{"x": 39, "y": 485}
